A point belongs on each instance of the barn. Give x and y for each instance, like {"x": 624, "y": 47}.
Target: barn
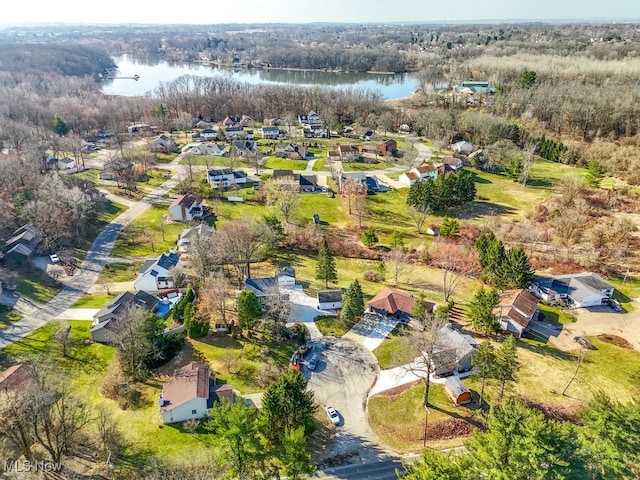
{"x": 457, "y": 391}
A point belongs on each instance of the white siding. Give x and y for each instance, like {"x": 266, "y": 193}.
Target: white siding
{"x": 330, "y": 305}
{"x": 183, "y": 412}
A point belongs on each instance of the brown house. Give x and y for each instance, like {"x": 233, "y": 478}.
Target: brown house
{"x": 391, "y": 302}
{"x": 516, "y": 309}
{"x": 16, "y": 379}
{"x": 388, "y": 147}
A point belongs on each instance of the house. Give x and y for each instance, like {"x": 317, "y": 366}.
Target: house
{"x": 269, "y": 132}
{"x": 463, "y": 147}
{"x": 187, "y": 235}
{"x": 163, "y": 143}
{"x": 289, "y": 150}
{"x": 202, "y": 124}
{"x": 348, "y": 153}
{"x": 452, "y": 352}
{"x": 453, "y": 162}
{"x": 516, "y": 309}
{"x": 186, "y": 208}
{"x": 16, "y": 379}
{"x": 211, "y": 149}
{"x": 400, "y": 305}
{"x": 154, "y": 274}
{"x": 231, "y": 122}
{"x": 267, "y": 287}
{"x": 286, "y": 276}
{"x": 105, "y": 321}
{"x": 475, "y": 88}
{"x": 457, "y": 391}
{"x": 329, "y": 299}
{"x": 246, "y": 121}
{"x": 445, "y": 169}
{"x": 580, "y": 289}
{"x": 388, "y": 147}
{"x": 205, "y": 135}
{"x": 295, "y": 181}
{"x": 225, "y": 177}
{"x": 113, "y": 169}
{"x": 409, "y": 178}
{"x": 24, "y": 242}
{"x": 245, "y": 148}
{"x": 418, "y": 174}
{"x": 231, "y": 133}
{"x": 310, "y": 118}
{"x": 315, "y": 131}
{"x": 138, "y": 128}
{"x": 66, "y": 163}
{"x": 272, "y": 122}
{"x": 364, "y": 133}
{"x": 191, "y": 394}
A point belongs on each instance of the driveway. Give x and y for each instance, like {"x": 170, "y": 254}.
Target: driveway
{"x": 344, "y": 375}
{"x": 304, "y": 309}
{"x": 371, "y": 330}
{"x": 594, "y": 321}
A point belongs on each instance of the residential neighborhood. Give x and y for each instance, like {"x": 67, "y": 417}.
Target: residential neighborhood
{"x": 270, "y": 280}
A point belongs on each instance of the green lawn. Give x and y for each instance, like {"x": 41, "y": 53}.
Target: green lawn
{"x": 109, "y": 211}
{"x": 94, "y": 300}
{"x": 330, "y": 210}
{"x": 332, "y": 326}
{"x": 285, "y": 164}
{"x": 393, "y": 350}
{"x": 119, "y": 272}
{"x": 556, "y": 315}
{"x": 90, "y": 174}
{"x": 87, "y": 367}
{"x": 8, "y": 316}
{"x": 148, "y": 235}
{"x": 236, "y": 361}
{"x": 164, "y": 158}
{"x": 34, "y": 284}
{"x": 320, "y": 165}
{"x": 154, "y": 178}
{"x": 362, "y": 165}
{"x": 398, "y": 418}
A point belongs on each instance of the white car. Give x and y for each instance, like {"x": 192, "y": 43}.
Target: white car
{"x": 333, "y": 415}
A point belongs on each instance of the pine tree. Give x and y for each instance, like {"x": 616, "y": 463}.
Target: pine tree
{"x": 326, "y": 266}
{"x": 450, "y": 227}
{"x": 506, "y": 364}
{"x": 352, "y": 303}
{"x": 480, "y": 310}
{"x": 516, "y": 271}
{"x": 357, "y": 298}
{"x": 249, "y": 310}
{"x": 595, "y": 174}
{"x": 369, "y": 237}
{"x": 484, "y": 364}
{"x": 59, "y": 125}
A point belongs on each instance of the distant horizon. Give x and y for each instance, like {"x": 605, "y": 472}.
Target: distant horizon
{"x": 123, "y": 12}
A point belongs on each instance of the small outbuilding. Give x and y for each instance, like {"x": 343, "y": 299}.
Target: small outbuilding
{"x": 330, "y": 299}
{"x": 457, "y": 391}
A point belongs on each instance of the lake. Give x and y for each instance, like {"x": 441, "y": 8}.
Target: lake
{"x": 153, "y": 70}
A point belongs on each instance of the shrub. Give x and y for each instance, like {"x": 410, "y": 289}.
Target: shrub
{"x": 267, "y": 374}
{"x": 372, "y": 276}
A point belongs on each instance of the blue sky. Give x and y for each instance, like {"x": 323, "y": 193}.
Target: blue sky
{"x": 301, "y": 11}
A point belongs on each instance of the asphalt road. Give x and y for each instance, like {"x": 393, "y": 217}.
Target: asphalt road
{"x": 382, "y": 470}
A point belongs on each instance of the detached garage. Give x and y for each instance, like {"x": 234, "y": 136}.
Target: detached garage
{"x": 330, "y": 299}
{"x": 457, "y": 391}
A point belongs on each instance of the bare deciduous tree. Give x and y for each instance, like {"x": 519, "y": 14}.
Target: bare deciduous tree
{"x": 238, "y": 244}
{"x": 213, "y": 299}
{"x": 395, "y": 262}
{"x": 456, "y": 262}
{"x": 419, "y": 216}
{"x": 351, "y": 189}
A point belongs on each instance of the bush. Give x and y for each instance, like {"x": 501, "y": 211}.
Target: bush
{"x": 267, "y": 374}
{"x": 372, "y": 276}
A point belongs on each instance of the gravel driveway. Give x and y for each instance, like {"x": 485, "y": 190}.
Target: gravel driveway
{"x": 344, "y": 375}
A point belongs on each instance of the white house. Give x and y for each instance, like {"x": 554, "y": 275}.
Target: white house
{"x": 329, "y": 299}
{"x": 187, "y": 208}
{"x": 233, "y": 132}
{"x": 581, "y": 289}
{"x": 163, "y": 143}
{"x": 269, "y": 132}
{"x": 243, "y": 148}
{"x": 66, "y": 163}
{"x": 462, "y": 147}
{"x": 286, "y": 277}
{"x": 418, "y": 174}
{"x": 209, "y": 134}
{"x": 310, "y": 118}
{"x": 454, "y": 162}
{"x": 453, "y": 352}
{"x": 191, "y": 394}
{"x": 154, "y": 274}
{"x": 225, "y": 177}
{"x": 408, "y": 178}
{"x": 212, "y": 149}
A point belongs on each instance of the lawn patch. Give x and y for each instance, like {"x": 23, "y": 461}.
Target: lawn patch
{"x": 394, "y": 351}
{"x": 94, "y": 300}
{"x": 119, "y": 272}
{"x": 330, "y": 325}
{"x": 8, "y": 316}
{"x": 285, "y": 164}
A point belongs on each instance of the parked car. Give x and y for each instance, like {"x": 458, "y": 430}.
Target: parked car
{"x": 614, "y": 304}
{"x": 313, "y": 362}
{"x": 332, "y": 414}
{"x": 583, "y": 342}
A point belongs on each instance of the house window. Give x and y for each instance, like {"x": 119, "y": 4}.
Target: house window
{"x": 193, "y": 412}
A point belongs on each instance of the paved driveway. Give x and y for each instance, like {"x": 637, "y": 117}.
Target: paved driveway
{"x": 371, "y": 330}
{"x": 304, "y": 309}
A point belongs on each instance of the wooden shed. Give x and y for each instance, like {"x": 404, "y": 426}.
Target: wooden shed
{"x": 457, "y": 391}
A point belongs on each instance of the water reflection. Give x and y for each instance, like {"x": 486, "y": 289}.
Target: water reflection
{"x": 153, "y": 69}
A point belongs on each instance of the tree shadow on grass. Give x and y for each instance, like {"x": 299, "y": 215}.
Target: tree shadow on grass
{"x": 546, "y": 350}
{"x": 482, "y": 209}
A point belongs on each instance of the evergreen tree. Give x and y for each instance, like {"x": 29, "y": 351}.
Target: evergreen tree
{"x": 492, "y": 253}
{"x": 59, "y": 125}
{"x": 595, "y": 174}
{"x": 249, "y": 310}
{"x": 527, "y": 79}
{"x": 369, "y": 237}
{"x": 293, "y": 457}
{"x": 450, "y": 227}
{"x": 437, "y": 465}
{"x": 516, "y": 271}
{"x": 287, "y": 404}
{"x": 484, "y": 364}
{"x": 419, "y": 311}
{"x": 396, "y": 240}
{"x": 521, "y": 444}
{"x": 507, "y": 364}
{"x": 352, "y": 303}
{"x": 326, "y": 265}
{"x": 480, "y": 311}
